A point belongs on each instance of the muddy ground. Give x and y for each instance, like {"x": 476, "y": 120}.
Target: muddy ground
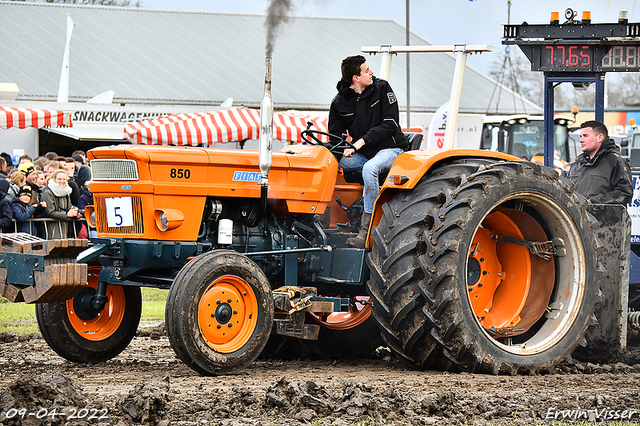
{"x": 148, "y": 385}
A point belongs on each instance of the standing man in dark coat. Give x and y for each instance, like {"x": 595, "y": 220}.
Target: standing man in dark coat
{"x": 599, "y": 173}
{"x": 367, "y": 109}
{"x": 6, "y": 215}
{"x": 82, "y": 172}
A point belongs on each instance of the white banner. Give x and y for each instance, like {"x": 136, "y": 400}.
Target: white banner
{"x": 437, "y": 127}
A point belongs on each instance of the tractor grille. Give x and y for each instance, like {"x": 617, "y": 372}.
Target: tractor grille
{"x": 101, "y": 217}
{"x": 109, "y": 169}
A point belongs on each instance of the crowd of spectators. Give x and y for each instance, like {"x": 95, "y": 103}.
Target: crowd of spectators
{"x": 51, "y": 186}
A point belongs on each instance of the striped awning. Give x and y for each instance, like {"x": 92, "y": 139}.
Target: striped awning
{"x": 29, "y": 117}
{"x": 205, "y": 128}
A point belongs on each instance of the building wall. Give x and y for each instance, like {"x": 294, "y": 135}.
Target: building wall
{"x": 16, "y": 142}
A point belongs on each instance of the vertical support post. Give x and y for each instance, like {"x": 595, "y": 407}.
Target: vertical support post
{"x": 385, "y": 66}
{"x": 548, "y": 120}
{"x": 408, "y": 41}
{"x": 599, "y": 80}
{"x": 63, "y": 85}
{"x": 456, "y": 94}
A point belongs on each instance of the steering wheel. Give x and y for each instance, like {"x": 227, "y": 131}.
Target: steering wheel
{"x": 313, "y": 134}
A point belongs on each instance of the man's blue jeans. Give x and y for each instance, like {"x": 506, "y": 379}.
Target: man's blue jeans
{"x": 371, "y": 170}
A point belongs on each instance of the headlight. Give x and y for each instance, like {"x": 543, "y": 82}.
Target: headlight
{"x": 90, "y": 215}
{"x": 168, "y": 219}
{"x": 164, "y": 222}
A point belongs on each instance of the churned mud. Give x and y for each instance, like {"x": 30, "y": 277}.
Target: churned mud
{"x": 148, "y": 385}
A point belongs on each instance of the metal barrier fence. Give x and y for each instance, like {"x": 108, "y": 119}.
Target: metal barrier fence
{"x": 73, "y": 231}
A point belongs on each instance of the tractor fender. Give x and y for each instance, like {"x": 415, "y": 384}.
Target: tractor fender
{"x": 409, "y": 168}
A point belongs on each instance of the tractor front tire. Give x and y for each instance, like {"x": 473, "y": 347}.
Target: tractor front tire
{"x": 452, "y": 284}
{"x": 219, "y": 312}
{"x": 79, "y": 333}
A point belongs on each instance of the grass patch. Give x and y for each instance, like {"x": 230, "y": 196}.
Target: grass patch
{"x": 153, "y": 304}
{"x": 17, "y": 318}
{"x": 20, "y": 318}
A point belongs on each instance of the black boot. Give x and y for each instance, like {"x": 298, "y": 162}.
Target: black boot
{"x": 359, "y": 240}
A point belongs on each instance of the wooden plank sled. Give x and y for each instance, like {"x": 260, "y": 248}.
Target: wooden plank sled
{"x": 43, "y": 270}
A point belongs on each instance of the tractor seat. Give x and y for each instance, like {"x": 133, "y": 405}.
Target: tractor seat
{"x": 415, "y": 139}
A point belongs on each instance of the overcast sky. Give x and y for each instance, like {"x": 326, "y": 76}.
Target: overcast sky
{"x": 442, "y": 22}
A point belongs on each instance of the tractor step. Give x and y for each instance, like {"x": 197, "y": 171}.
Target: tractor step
{"x": 36, "y": 270}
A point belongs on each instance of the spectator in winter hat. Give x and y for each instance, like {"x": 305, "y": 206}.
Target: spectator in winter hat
{"x": 29, "y": 171}
{"x": 7, "y": 158}
{"x": 31, "y": 175}
{"x": 23, "y": 211}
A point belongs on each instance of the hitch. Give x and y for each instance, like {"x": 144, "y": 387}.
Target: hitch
{"x": 292, "y": 302}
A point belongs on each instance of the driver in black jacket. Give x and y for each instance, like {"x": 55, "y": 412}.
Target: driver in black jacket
{"x": 367, "y": 109}
{"x": 599, "y": 173}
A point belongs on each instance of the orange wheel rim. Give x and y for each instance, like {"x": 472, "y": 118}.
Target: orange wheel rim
{"x": 498, "y": 275}
{"x": 344, "y": 320}
{"x": 108, "y": 320}
{"x": 228, "y": 314}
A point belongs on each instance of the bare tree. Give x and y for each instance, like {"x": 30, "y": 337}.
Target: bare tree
{"x": 624, "y": 89}
{"x": 512, "y": 70}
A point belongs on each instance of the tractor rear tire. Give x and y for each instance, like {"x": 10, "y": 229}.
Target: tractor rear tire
{"x": 429, "y": 261}
{"x": 219, "y": 312}
{"x": 84, "y": 335}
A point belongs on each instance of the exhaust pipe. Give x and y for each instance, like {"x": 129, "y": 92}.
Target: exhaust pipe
{"x": 266, "y": 126}
{"x": 266, "y": 142}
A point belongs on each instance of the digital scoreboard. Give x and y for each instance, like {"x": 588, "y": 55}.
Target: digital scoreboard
{"x": 621, "y": 58}
{"x": 582, "y": 57}
{"x": 576, "y": 52}
{"x": 561, "y": 56}
{"x": 578, "y": 47}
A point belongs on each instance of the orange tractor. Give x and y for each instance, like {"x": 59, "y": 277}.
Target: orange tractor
{"x": 475, "y": 261}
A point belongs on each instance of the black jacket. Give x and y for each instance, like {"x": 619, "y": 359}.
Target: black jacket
{"x": 22, "y": 212}
{"x": 6, "y": 215}
{"x": 83, "y": 174}
{"x": 372, "y": 115}
{"x": 605, "y": 178}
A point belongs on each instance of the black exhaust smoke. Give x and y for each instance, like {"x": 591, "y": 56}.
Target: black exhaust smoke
{"x": 277, "y": 13}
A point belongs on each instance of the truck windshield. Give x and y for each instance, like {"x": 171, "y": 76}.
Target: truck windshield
{"x": 527, "y": 140}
